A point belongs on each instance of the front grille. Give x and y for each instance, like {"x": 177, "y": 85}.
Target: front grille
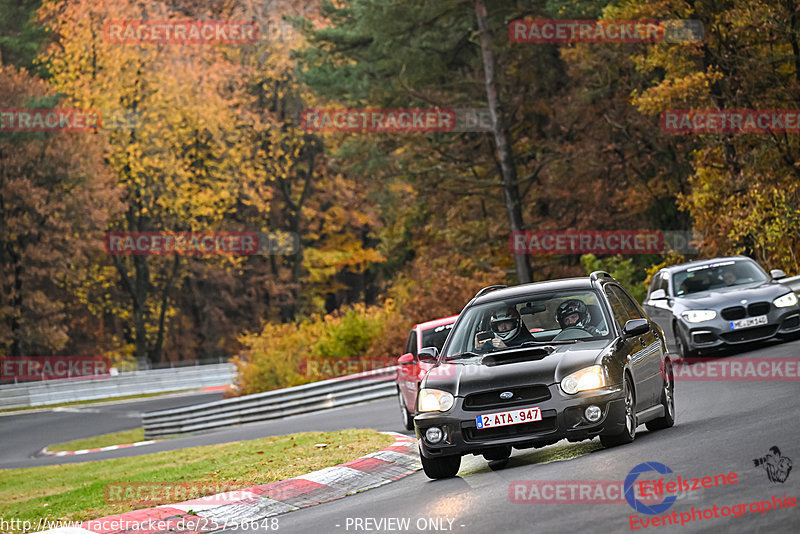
{"x": 491, "y": 399}
{"x": 758, "y": 308}
{"x": 733, "y": 313}
{"x": 749, "y": 334}
{"x": 547, "y": 424}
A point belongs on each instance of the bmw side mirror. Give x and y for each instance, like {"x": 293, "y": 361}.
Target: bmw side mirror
{"x": 658, "y": 294}
{"x": 777, "y": 274}
{"x": 636, "y": 327}
{"x": 428, "y": 355}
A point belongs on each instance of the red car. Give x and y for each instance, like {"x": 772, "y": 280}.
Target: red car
{"x": 411, "y": 371}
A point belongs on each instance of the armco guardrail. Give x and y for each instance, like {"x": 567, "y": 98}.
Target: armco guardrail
{"x": 127, "y": 383}
{"x": 312, "y": 397}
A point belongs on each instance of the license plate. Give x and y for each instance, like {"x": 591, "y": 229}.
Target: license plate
{"x": 748, "y": 322}
{"x": 513, "y": 417}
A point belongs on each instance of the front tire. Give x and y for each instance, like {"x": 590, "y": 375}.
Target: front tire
{"x": 682, "y": 343}
{"x": 667, "y": 401}
{"x": 407, "y": 418}
{"x": 497, "y": 453}
{"x": 441, "y": 467}
{"x": 629, "y": 432}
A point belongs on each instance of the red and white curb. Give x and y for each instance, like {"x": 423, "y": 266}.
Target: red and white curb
{"x": 87, "y": 451}
{"x": 256, "y": 503}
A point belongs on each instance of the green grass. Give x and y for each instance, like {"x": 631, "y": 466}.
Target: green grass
{"x": 76, "y": 492}
{"x": 107, "y": 399}
{"x": 104, "y": 440}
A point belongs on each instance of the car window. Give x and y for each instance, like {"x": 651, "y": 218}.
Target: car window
{"x": 435, "y": 337}
{"x": 655, "y": 283}
{"x": 617, "y": 309}
{"x": 630, "y": 306}
{"x": 538, "y": 314}
{"x": 411, "y": 343}
{"x": 659, "y": 281}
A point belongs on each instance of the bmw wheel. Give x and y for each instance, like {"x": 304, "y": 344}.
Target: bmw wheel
{"x": 683, "y": 345}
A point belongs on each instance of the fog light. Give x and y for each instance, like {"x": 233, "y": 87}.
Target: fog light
{"x": 434, "y": 434}
{"x": 593, "y": 413}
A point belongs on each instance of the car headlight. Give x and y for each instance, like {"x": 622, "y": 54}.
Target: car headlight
{"x": 698, "y": 316}
{"x": 789, "y": 299}
{"x": 589, "y": 378}
{"x": 434, "y": 400}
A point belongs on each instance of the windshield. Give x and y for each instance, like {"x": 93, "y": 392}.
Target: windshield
{"x": 716, "y": 275}
{"x": 556, "y": 317}
{"x": 435, "y": 337}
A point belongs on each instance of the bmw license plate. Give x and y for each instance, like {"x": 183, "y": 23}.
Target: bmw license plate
{"x": 513, "y": 417}
{"x": 749, "y": 322}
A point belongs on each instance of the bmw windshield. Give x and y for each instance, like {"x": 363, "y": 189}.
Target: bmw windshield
{"x": 557, "y": 317}
{"x": 717, "y": 276}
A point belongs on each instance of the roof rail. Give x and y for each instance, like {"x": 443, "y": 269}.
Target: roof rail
{"x": 597, "y": 274}
{"x": 489, "y": 288}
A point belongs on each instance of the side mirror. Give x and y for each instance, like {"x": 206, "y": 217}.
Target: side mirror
{"x": 428, "y": 355}
{"x": 658, "y": 294}
{"x": 636, "y": 327}
{"x": 777, "y": 274}
{"x": 405, "y": 359}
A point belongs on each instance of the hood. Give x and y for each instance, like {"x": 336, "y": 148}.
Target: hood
{"x": 517, "y": 367}
{"x": 732, "y": 296}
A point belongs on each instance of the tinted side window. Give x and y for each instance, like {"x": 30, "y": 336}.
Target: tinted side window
{"x": 630, "y": 307}
{"x": 660, "y": 281}
{"x": 663, "y": 282}
{"x": 655, "y": 283}
{"x": 617, "y": 309}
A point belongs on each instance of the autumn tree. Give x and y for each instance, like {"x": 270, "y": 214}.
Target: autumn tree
{"x": 745, "y": 188}
{"x": 56, "y": 198}
{"x": 181, "y": 166}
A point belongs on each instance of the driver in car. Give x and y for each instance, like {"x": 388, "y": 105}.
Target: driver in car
{"x": 728, "y": 277}
{"x": 573, "y": 313}
{"x": 507, "y": 329}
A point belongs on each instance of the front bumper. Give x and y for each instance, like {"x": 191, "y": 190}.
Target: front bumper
{"x": 562, "y": 417}
{"x": 717, "y": 332}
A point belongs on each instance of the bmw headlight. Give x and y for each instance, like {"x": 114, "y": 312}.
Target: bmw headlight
{"x": 589, "y": 378}
{"x": 789, "y": 299}
{"x": 698, "y": 316}
{"x": 434, "y": 400}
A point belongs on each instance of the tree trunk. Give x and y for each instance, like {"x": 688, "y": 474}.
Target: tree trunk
{"x": 505, "y": 157}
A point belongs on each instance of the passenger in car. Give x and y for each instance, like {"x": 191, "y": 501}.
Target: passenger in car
{"x": 574, "y": 313}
